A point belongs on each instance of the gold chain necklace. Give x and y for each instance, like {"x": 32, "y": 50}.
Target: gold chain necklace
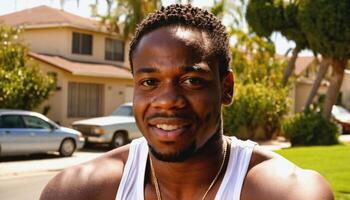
{"x": 156, "y": 184}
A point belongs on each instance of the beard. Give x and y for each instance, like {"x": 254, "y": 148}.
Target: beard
{"x": 186, "y": 153}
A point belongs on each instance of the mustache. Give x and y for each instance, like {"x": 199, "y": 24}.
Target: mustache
{"x": 182, "y": 115}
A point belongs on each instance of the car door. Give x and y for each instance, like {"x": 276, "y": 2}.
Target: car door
{"x": 41, "y": 134}
{"x": 13, "y": 136}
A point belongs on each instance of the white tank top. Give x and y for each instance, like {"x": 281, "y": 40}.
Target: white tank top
{"x": 132, "y": 182}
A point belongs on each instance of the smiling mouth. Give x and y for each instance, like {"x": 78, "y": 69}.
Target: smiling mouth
{"x": 168, "y": 127}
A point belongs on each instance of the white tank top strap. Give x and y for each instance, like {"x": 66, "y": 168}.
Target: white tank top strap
{"x": 132, "y": 182}
{"x": 240, "y": 154}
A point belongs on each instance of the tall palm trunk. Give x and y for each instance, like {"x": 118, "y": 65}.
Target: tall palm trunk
{"x": 291, "y": 65}
{"x": 324, "y": 65}
{"x": 338, "y": 67}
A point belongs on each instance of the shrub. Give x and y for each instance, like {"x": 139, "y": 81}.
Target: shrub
{"x": 22, "y": 84}
{"x": 310, "y": 129}
{"x": 256, "y": 110}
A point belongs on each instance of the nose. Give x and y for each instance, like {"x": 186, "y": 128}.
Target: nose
{"x": 168, "y": 98}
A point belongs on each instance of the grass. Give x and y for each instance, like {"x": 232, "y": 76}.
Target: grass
{"x": 333, "y": 162}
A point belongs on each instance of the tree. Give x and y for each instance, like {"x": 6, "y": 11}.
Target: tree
{"x": 127, "y": 14}
{"x": 268, "y": 16}
{"x": 323, "y": 68}
{"x": 22, "y": 86}
{"x": 326, "y": 26}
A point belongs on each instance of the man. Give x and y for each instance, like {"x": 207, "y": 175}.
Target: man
{"x": 180, "y": 61}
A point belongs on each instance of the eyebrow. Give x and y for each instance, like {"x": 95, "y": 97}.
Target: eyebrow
{"x": 147, "y": 70}
{"x": 196, "y": 68}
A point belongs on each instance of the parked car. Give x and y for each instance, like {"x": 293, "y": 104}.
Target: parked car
{"x": 116, "y": 130}
{"x": 342, "y": 116}
{"x": 27, "y": 132}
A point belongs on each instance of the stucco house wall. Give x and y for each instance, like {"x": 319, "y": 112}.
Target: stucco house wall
{"x": 114, "y": 93}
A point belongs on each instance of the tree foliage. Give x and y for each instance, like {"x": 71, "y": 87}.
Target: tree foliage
{"x": 256, "y": 111}
{"x": 326, "y": 25}
{"x": 254, "y": 61}
{"x": 22, "y": 85}
{"x": 259, "y": 101}
{"x": 268, "y": 16}
{"x": 124, "y": 15}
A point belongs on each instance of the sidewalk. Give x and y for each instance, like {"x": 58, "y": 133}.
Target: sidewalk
{"x": 276, "y": 144}
{"x": 281, "y": 142}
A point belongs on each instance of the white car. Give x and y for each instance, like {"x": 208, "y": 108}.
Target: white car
{"x": 116, "y": 130}
{"x": 342, "y": 116}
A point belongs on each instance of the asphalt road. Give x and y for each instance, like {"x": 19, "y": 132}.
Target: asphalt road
{"x": 24, "y": 165}
{"x": 24, "y": 177}
{"x": 26, "y": 187}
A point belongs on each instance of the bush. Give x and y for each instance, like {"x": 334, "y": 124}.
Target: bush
{"x": 310, "y": 129}
{"x": 256, "y": 111}
{"x": 22, "y": 85}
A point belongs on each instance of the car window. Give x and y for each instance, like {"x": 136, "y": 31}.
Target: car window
{"x": 35, "y": 122}
{"x": 123, "y": 111}
{"x": 11, "y": 121}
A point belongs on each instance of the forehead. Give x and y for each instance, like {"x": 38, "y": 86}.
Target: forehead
{"x": 186, "y": 41}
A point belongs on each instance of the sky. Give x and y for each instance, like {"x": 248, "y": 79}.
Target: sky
{"x": 9, "y": 6}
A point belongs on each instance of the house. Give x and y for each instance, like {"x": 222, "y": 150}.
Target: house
{"x": 89, "y": 63}
{"x": 306, "y": 71}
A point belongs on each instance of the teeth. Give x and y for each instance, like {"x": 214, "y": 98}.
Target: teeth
{"x": 167, "y": 127}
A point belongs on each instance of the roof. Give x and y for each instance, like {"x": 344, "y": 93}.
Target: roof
{"x": 44, "y": 16}
{"x": 301, "y": 64}
{"x": 84, "y": 69}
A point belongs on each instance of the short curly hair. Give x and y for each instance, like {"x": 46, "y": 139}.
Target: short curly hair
{"x": 192, "y": 17}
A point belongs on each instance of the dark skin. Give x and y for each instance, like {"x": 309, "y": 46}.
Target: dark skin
{"x": 178, "y": 88}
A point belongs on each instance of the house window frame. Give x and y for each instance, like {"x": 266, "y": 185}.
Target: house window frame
{"x": 112, "y": 54}
{"x": 78, "y": 42}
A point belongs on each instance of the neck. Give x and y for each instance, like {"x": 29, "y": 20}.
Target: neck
{"x": 193, "y": 176}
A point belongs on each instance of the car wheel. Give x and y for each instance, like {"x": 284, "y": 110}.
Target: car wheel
{"x": 119, "y": 139}
{"x": 67, "y": 148}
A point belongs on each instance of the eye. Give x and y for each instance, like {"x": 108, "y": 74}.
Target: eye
{"x": 194, "y": 82}
{"x": 149, "y": 83}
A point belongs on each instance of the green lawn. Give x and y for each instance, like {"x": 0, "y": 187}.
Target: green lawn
{"x": 333, "y": 162}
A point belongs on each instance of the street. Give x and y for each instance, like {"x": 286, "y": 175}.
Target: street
{"x": 24, "y": 177}
{"x": 26, "y": 187}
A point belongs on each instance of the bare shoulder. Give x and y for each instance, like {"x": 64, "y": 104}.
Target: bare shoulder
{"x": 87, "y": 180}
{"x": 273, "y": 177}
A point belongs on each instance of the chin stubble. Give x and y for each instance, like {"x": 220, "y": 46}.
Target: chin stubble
{"x": 186, "y": 153}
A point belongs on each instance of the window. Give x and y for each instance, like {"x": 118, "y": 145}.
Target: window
{"x": 34, "y": 122}
{"x": 11, "y": 121}
{"x": 82, "y": 43}
{"x": 123, "y": 111}
{"x": 114, "y": 50}
{"x": 85, "y": 99}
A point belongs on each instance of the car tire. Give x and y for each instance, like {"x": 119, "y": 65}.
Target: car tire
{"x": 119, "y": 139}
{"x": 67, "y": 148}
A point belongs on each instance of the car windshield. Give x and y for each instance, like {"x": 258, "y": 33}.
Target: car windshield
{"x": 123, "y": 111}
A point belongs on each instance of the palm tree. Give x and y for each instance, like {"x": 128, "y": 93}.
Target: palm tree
{"x": 124, "y": 15}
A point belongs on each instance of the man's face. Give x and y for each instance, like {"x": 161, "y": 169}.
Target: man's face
{"x": 178, "y": 92}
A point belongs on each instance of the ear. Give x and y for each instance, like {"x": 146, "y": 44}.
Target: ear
{"x": 227, "y": 89}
